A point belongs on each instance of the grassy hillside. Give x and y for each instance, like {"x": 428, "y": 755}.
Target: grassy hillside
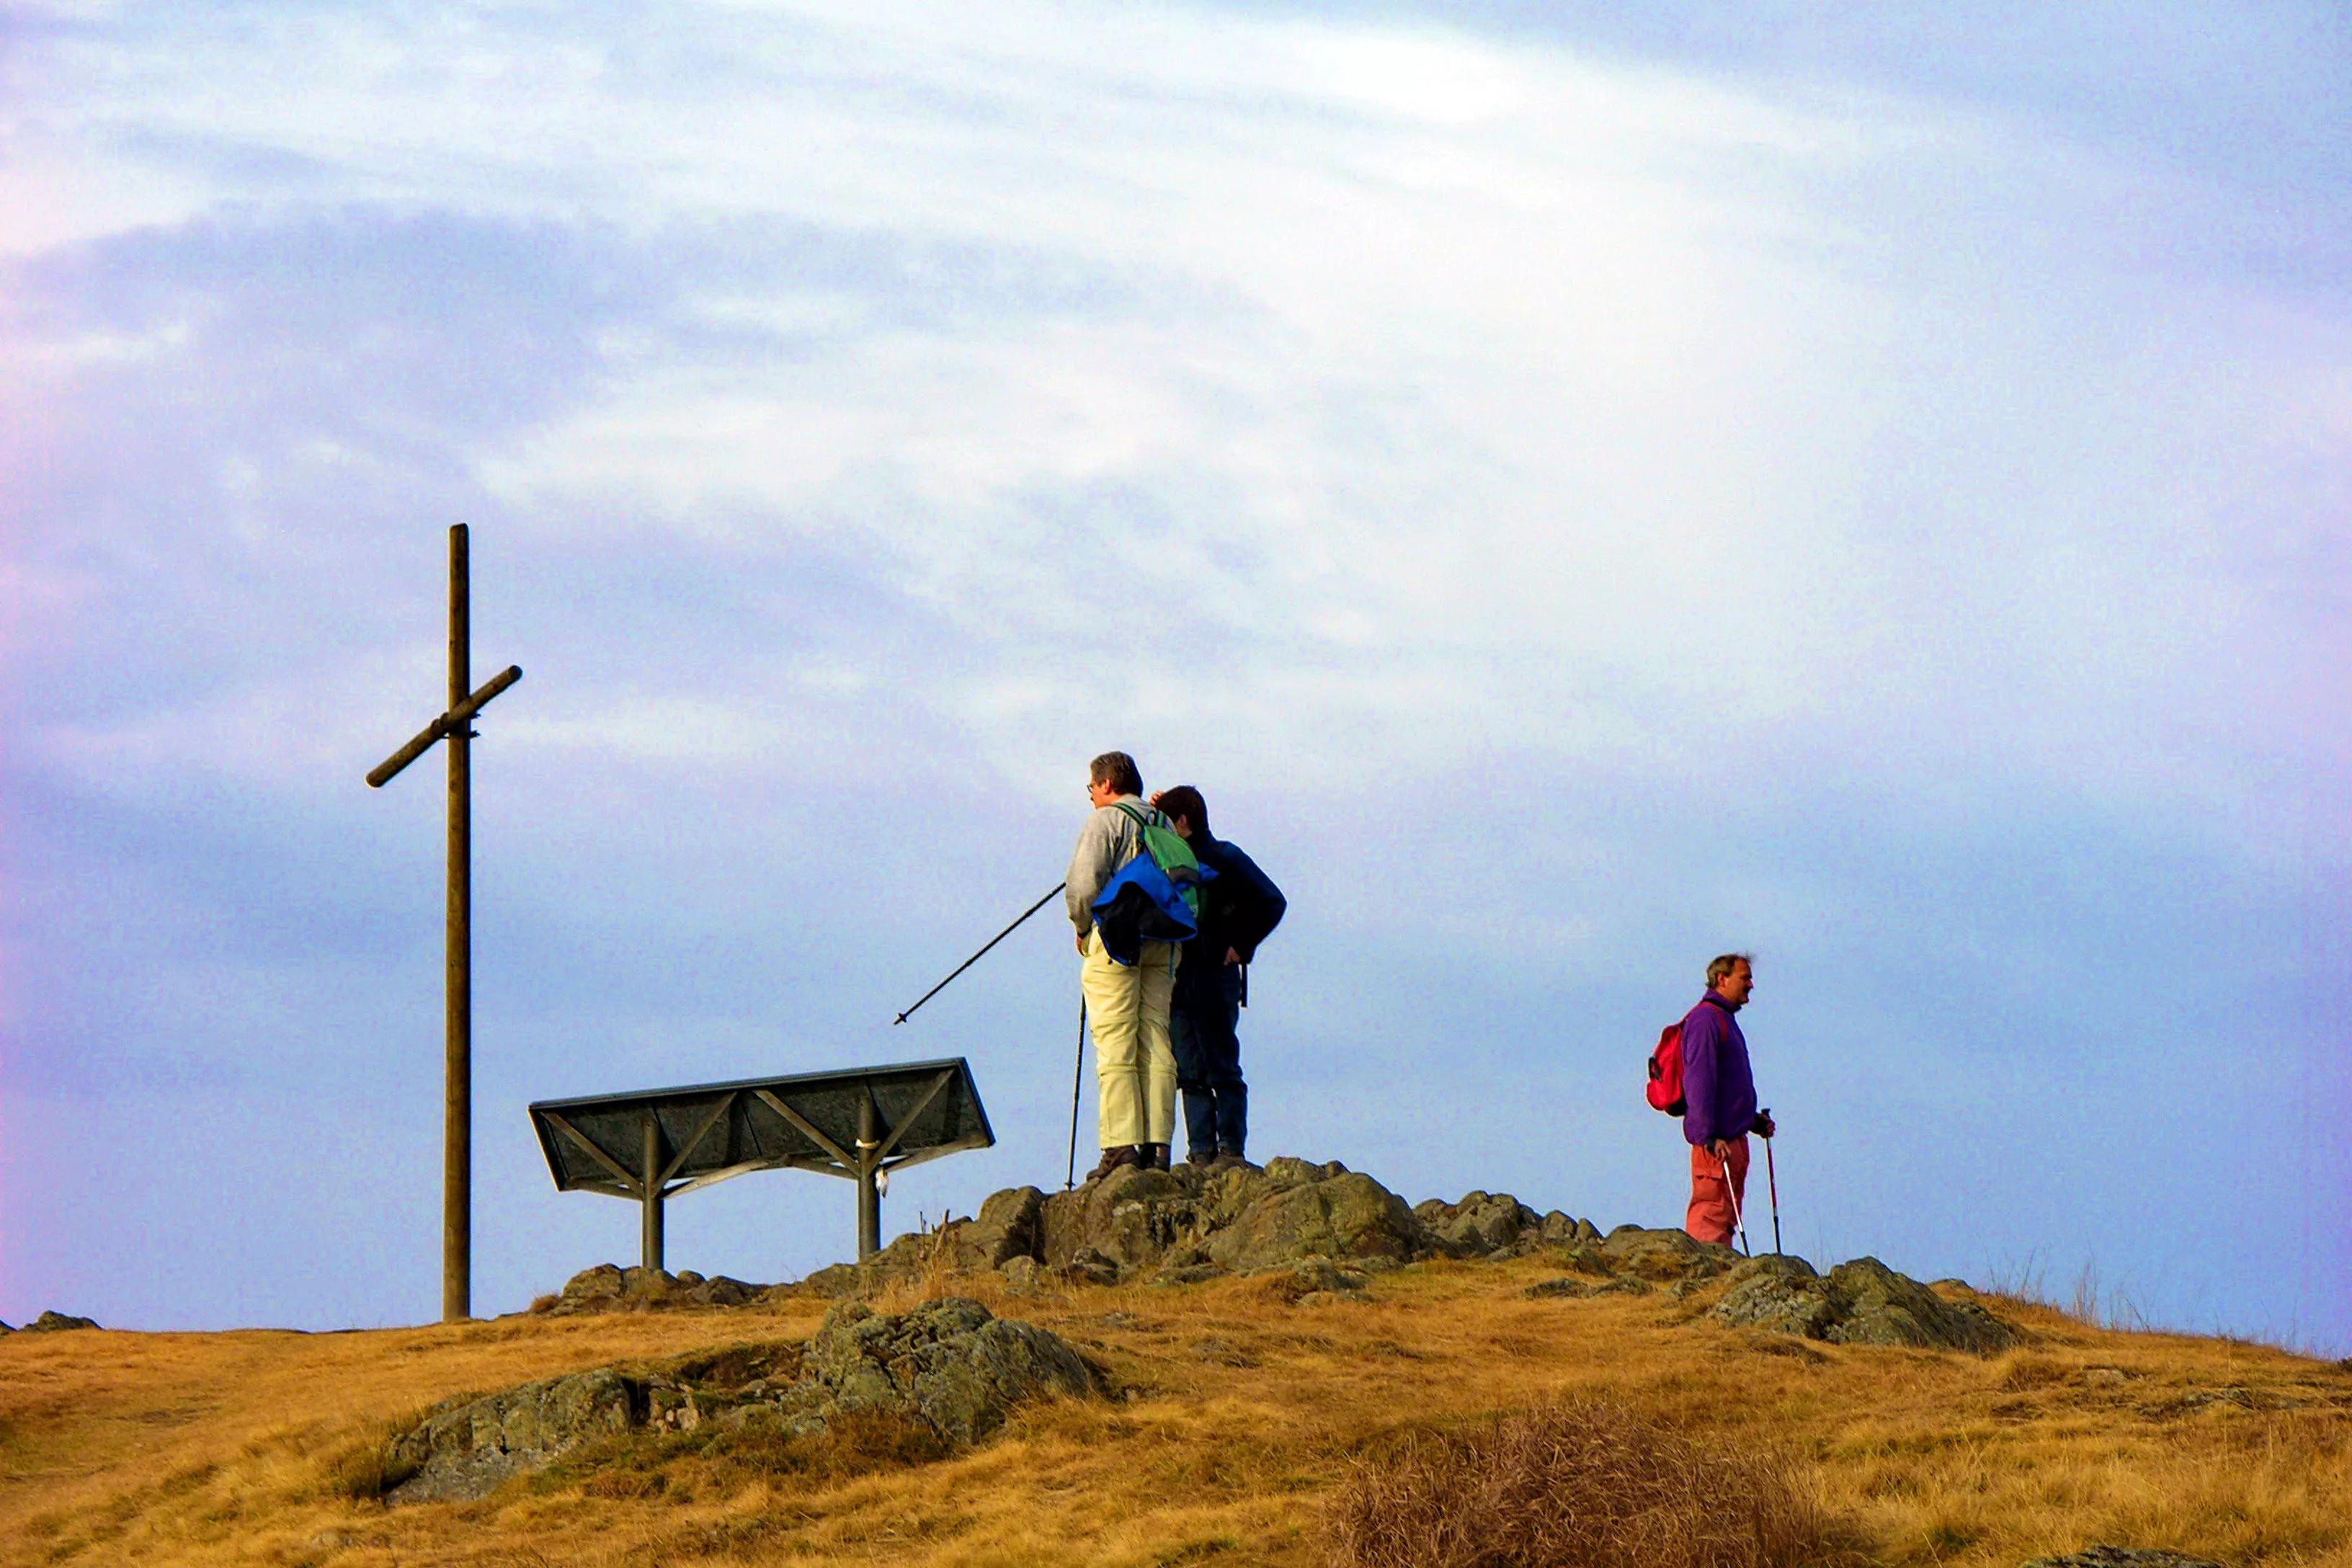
{"x": 1244, "y": 1417}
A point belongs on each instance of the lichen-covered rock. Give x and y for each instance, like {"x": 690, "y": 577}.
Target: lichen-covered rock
{"x": 1171, "y": 1225}
{"x": 1479, "y": 1225}
{"x": 1345, "y": 1215}
{"x": 1883, "y": 1308}
{"x": 1088, "y": 1267}
{"x": 468, "y": 1450}
{"x": 1011, "y": 1224}
{"x": 1131, "y": 1217}
{"x": 56, "y": 1323}
{"x": 1564, "y": 1230}
{"x": 950, "y": 1364}
{"x": 609, "y": 1288}
{"x": 1779, "y": 1293}
{"x": 1496, "y": 1224}
{"x": 1663, "y": 1254}
{"x": 1586, "y": 1258}
{"x": 1861, "y": 1302}
{"x": 2120, "y": 1557}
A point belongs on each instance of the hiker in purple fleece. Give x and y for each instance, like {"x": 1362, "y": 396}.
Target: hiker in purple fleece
{"x": 1719, "y": 1093}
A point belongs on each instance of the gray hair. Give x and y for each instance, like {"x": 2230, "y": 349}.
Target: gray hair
{"x": 1719, "y": 968}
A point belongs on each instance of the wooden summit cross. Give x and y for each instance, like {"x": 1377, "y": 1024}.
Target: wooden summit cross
{"x": 457, "y": 727}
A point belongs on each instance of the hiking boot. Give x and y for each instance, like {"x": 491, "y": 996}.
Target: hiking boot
{"x": 1155, "y": 1156}
{"x": 1112, "y": 1159}
{"x": 1231, "y": 1160}
{"x": 1202, "y": 1157}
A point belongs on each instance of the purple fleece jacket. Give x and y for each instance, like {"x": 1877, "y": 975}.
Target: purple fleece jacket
{"x": 1717, "y": 1087}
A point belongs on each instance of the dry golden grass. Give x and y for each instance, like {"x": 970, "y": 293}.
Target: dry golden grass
{"x": 1580, "y": 1485}
{"x": 1247, "y": 1418}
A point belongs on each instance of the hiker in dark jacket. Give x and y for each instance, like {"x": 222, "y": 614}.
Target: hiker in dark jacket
{"x": 1240, "y": 907}
{"x": 1719, "y": 1092}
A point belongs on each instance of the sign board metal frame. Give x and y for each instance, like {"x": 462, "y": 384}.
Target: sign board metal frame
{"x": 861, "y": 1124}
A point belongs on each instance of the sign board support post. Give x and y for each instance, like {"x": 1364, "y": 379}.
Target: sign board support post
{"x": 455, "y": 726}
{"x": 869, "y": 1196}
{"x": 652, "y": 1167}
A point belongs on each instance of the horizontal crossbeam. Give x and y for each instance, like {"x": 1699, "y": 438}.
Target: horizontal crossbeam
{"x": 457, "y": 719}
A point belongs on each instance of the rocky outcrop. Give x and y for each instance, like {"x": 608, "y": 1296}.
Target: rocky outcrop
{"x": 1497, "y": 1226}
{"x": 2120, "y": 1557}
{"x": 1167, "y": 1227}
{"x": 1862, "y": 1303}
{"x": 608, "y": 1288}
{"x": 1663, "y": 1255}
{"x": 1326, "y": 1211}
{"x": 1183, "y": 1225}
{"x": 952, "y": 1365}
{"x": 466, "y": 1452}
{"x": 56, "y": 1323}
{"x": 1190, "y": 1225}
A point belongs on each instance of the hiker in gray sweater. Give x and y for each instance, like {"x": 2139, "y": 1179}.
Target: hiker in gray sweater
{"x": 1126, "y": 1005}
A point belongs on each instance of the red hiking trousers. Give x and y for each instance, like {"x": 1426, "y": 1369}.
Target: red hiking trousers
{"x": 1710, "y": 1217}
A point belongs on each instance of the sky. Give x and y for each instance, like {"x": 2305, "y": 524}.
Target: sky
{"x": 1578, "y": 494}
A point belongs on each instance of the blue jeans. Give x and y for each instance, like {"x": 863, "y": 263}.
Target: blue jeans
{"x": 1201, "y": 1024}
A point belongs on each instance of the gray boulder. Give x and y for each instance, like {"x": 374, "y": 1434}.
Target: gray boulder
{"x": 1779, "y": 1293}
{"x": 1496, "y": 1224}
{"x": 1861, "y": 1302}
{"x": 1663, "y": 1255}
{"x": 56, "y": 1323}
{"x": 466, "y": 1451}
{"x": 2120, "y": 1557}
{"x": 609, "y": 1288}
{"x": 1480, "y": 1225}
{"x": 1346, "y": 1215}
{"x": 1132, "y": 1218}
{"x": 952, "y": 1365}
{"x": 1010, "y": 1225}
{"x": 1171, "y": 1227}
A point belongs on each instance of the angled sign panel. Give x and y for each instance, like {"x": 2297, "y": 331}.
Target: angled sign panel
{"x": 861, "y": 1124}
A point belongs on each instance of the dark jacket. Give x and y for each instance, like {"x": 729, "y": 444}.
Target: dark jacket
{"x": 1719, "y": 1089}
{"x": 1240, "y": 907}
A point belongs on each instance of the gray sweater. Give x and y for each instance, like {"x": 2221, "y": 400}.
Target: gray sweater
{"x": 1109, "y": 841}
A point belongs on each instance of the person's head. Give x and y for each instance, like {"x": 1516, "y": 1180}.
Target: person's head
{"x": 1185, "y": 807}
{"x": 1111, "y": 775}
{"x": 1731, "y": 976}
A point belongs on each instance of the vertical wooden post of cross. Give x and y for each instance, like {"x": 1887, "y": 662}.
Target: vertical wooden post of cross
{"x": 455, "y": 726}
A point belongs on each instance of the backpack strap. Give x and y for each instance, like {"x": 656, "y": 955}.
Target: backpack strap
{"x": 1138, "y": 818}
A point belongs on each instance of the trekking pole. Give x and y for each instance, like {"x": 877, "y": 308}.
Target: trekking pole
{"x": 976, "y": 957}
{"x": 1772, "y": 1178}
{"x": 1077, "y": 1082}
{"x": 1738, "y": 1222}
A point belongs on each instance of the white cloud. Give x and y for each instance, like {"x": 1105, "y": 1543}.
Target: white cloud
{"x": 1575, "y": 398}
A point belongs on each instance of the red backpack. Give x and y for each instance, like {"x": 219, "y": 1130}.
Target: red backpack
{"x": 1665, "y": 1089}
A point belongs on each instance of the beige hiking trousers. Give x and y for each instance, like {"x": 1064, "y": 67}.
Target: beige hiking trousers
{"x": 1135, "y": 1066}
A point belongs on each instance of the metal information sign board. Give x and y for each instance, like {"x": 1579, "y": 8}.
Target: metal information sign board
{"x": 861, "y": 1124}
